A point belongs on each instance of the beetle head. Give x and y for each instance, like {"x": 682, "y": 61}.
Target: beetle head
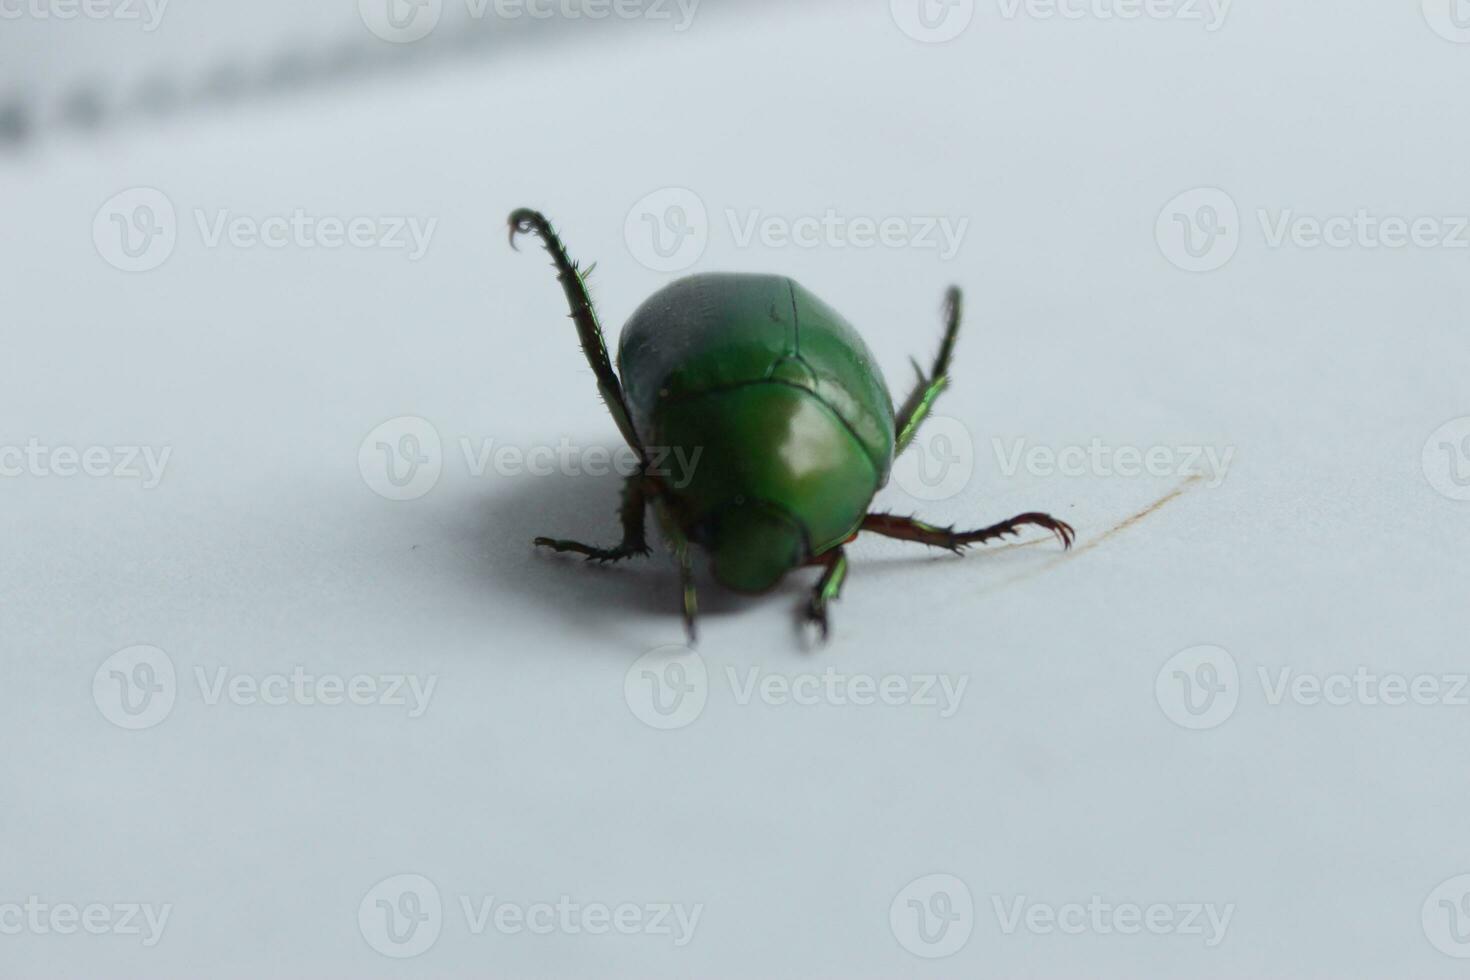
{"x": 753, "y": 545}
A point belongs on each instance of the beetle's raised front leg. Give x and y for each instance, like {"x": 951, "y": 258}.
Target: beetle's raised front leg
{"x": 585, "y": 318}
{"x": 679, "y": 544}
{"x": 908, "y": 529}
{"x": 828, "y": 588}
{"x": 634, "y": 542}
{"x": 917, "y": 406}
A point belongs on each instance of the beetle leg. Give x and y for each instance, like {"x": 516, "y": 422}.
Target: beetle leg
{"x": 679, "y": 544}
{"x": 574, "y": 285}
{"x": 921, "y": 400}
{"x": 828, "y": 588}
{"x": 634, "y": 542}
{"x": 908, "y": 529}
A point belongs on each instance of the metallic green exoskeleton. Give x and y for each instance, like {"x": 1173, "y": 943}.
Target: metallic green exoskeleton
{"x": 776, "y": 402}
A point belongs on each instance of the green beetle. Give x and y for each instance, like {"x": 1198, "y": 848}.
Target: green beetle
{"x": 778, "y": 400}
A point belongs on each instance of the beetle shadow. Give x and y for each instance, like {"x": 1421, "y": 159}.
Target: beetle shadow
{"x": 638, "y": 598}
{"x": 636, "y": 602}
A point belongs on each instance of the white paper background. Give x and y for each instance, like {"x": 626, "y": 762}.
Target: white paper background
{"x": 1326, "y": 829}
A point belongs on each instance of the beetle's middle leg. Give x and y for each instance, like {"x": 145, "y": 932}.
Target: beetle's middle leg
{"x": 589, "y": 331}
{"x": 635, "y": 499}
{"x": 926, "y": 391}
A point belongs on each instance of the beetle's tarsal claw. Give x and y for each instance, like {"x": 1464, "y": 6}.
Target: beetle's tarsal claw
{"x": 523, "y": 221}
{"x": 816, "y": 615}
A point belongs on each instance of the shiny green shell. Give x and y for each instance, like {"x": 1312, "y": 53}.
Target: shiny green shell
{"x": 774, "y": 389}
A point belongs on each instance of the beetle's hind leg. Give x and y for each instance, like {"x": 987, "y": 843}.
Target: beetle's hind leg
{"x": 926, "y": 391}
{"x": 584, "y": 316}
{"x": 909, "y": 529}
{"x": 828, "y": 588}
{"x": 634, "y": 540}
